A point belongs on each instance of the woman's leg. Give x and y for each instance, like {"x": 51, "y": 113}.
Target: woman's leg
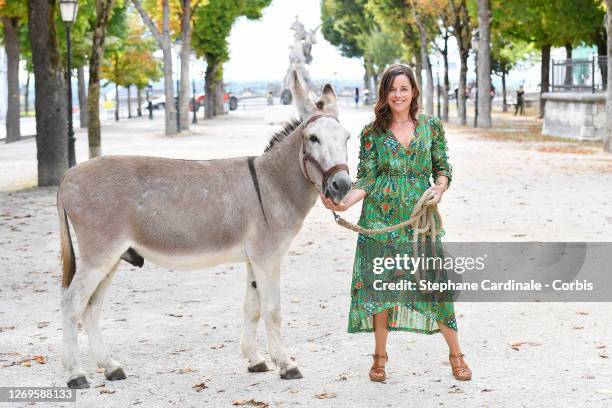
{"x": 380, "y": 334}
{"x": 451, "y": 338}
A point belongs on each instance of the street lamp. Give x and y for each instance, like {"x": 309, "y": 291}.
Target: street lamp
{"x": 68, "y": 10}
{"x": 475, "y": 40}
{"x": 178, "y": 45}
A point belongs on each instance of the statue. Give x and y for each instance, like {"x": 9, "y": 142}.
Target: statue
{"x": 299, "y": 56}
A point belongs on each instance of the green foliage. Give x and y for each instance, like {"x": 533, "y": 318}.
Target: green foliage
{"x": 213, "y": 24}
{"x": 129, "y": 55}
{"x": 381, "y": 48}
{"x": 345, "y": 23}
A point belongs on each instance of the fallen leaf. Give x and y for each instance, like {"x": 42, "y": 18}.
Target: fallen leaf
{"x": 582, "y": 312}
{"x": 174, "y": 315}
{"x": 3, "y": 328}
{"x": 600, "y": 346}
{"x": 187, "y": 370}
{"x": 295, "y": 300}
{"x": 199, "y": 387}
{"x": 517, "y": 344}
{"x": 107, "y": 391}
{"x": 293, "y": 390}
{"x": 326, "y": 395}
{"x": 42, "y": 325}
{"x": 252, "y": 402}
{"x": 217, "y": 346}
{"x": 578, "y": 327}
{"x": 486, "y": 390}
{"x": 604, "y": 355}
{"x": 342, "y": 377}
{"x": 604, "y": 391}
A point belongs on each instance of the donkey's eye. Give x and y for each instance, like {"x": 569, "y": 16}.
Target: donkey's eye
{"x": 313, "y": 139}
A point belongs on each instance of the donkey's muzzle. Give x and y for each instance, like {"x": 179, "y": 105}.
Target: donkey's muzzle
{"x": 338, "y": 186}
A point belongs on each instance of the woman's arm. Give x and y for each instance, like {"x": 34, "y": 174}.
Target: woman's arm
{"x": 366, "y": 173}
{"x": 441, "y": 168}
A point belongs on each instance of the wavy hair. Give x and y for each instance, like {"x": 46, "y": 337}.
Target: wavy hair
{"x": 382, "y": 112}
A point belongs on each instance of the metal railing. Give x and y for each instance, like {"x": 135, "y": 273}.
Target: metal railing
{"x": 579, "y": 74}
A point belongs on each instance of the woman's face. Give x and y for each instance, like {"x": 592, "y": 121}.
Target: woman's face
{"x": 400, "y": 95}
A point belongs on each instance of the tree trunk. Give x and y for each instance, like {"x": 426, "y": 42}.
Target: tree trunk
{"x": 461, "y": 97}
{"x": 82, "y": 97}
{"x": 607, "y": 140}
{"x": 139, "y": 97}
{"x": 185, "y": 51}
{"x": 26, "y": 102}
{"x": 163, "y": 41}
{"x": 11, "y": 46}
{"x": 209, "y": 89}
{"x": 418, "y": 66}
{"x": 446, "y": 81}
{"x": 544, "y": 75}
{"x": 103, "y": 11}
{"x": 129, "y": 100}
{"x": 429, "y": 92}
{"x": 505, "y": 100}
{"x": 219, "y": 93}
{"x": 50, "y": 103}
{"x": 484, "y": 64}
{"x": 601, "y": 62}
{"x": 116, "y": 102}
{"x": 568, "y": 68}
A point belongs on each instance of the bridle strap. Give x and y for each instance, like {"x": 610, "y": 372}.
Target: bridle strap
{"x": 326, "y": 174}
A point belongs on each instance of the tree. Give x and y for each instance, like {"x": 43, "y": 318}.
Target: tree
{"x": 607, "y": 142}
{"x": 462, "y": 31}
{"x": 381, "y": 49}
{"x": 344, "y": 25}
{"x": 51, "y": 113}
{"x": 163, "y": 41}
{"x": 484, "y": 64}
{"x": 212, "y": 25}
{"x": 131, "y": 61}
{"x": 103, "y": 15}
{"x": 12, "y": 16}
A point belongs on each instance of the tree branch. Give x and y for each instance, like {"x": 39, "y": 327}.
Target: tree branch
{"x": 148, "y": 22}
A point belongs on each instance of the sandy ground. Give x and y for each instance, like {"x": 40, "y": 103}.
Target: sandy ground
{"x": 173, "y": 330}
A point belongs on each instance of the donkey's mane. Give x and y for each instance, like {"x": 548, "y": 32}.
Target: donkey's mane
{"x": 287, "y": 128}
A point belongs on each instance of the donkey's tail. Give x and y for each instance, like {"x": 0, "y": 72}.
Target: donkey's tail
{"x": 68, "y": 258}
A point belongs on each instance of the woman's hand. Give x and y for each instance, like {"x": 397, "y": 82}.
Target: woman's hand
{"x": 438, "y": 191}
{"x": 330, "y": 205}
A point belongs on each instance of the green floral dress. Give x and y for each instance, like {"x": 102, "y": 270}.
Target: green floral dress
{"x": 394, "y": 178}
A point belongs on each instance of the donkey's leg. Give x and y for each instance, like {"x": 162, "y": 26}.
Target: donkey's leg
{"x": 74, "y": 300}
{"x": 251, "y": 308}
{"x": 267, "y": 274}
{"x": 91, "y": 320}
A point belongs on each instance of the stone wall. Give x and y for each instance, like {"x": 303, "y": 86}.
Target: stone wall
{"x": 576, "y": 115}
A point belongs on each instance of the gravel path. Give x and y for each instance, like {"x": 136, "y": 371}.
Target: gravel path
{"x": 174, "y": 330}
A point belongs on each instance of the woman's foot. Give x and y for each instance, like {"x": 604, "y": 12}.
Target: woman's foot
{"x": 377, "y": 372}
{"x": 460, "y": 369}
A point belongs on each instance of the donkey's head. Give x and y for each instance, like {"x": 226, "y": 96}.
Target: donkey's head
{"x": 323, "y": 155}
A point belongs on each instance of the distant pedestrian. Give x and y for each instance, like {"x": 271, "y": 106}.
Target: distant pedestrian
{"x": 520, "y": 102}
{"x": 356, "y": 97}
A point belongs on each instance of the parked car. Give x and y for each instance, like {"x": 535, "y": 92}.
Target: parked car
{"x": 227, "y": 98}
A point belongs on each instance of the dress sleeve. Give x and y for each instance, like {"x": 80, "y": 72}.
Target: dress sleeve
{"x": 367, "y": 167}
{"x": 439, "y": 148}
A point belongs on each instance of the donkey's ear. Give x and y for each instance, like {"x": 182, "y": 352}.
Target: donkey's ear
{"x": 303, "y": 103}
{"x": 330, "y": 101}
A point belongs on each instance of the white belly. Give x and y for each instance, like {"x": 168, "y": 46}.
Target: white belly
{"x": 186, "y": 262}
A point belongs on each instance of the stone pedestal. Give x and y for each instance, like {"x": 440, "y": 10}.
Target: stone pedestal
{"x": 575, "y": 115}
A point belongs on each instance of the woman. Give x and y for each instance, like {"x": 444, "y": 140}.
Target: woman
{"x": 399, "y": 152}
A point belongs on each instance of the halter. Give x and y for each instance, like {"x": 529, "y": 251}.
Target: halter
{"x": 326, "y": 174}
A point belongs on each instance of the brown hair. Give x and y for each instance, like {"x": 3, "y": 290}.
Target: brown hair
{"x": 382, "y": 112}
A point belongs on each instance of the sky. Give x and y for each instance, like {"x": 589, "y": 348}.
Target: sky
{"x": 259, "y": 50}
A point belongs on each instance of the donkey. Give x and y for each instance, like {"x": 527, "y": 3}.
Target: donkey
{"x": 190, "y": 214}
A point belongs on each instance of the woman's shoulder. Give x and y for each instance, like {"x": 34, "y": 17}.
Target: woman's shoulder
{"x": 369, "y": 131}
{"x": 431, "y": 120}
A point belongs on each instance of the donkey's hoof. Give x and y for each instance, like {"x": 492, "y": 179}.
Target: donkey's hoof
{"x": 118, "y": 374}
{"x": 292, "y": 374}
{"x": 78, "y": 383}
{"x": 258, "y": 368}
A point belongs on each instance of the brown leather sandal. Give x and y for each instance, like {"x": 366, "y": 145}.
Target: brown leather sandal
{"x": 461, "y": 370}
{"x": 377, "y": 372}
